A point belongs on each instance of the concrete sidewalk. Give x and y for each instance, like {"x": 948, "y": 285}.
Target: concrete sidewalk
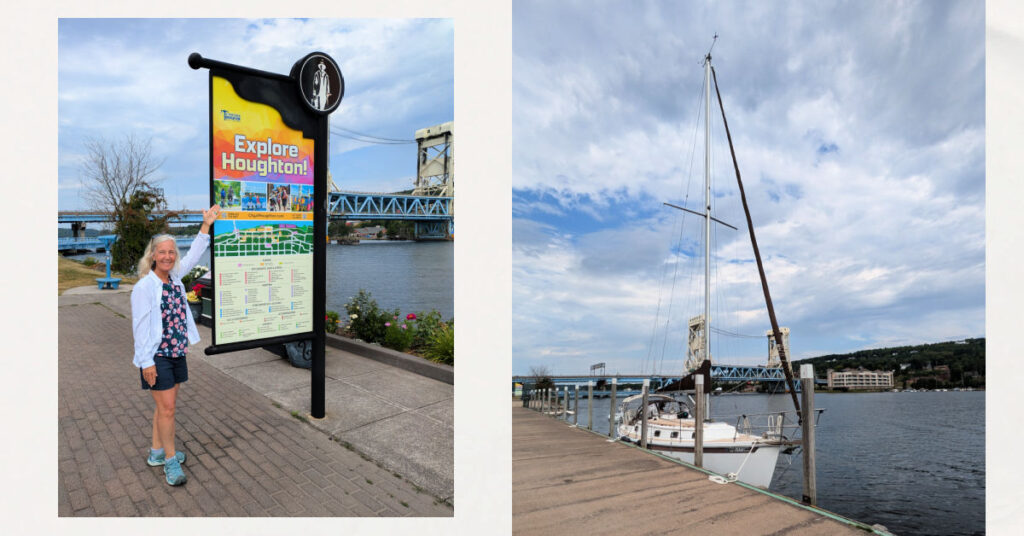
{"x": 385, "y": 447}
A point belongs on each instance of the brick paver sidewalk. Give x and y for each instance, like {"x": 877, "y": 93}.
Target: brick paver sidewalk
{"x": 246, "y": 456}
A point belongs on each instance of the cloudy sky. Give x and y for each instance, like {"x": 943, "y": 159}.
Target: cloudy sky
{"x": 860, "y": 135}
{"x": 119, "y": 76}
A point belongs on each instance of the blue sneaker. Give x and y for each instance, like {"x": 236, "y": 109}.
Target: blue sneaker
{"x": 156, "y": 460}
{"x": 172, "y": 470}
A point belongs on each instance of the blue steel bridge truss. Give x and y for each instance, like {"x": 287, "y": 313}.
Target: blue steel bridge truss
{"x": 432, "y": 215}
{"x": 725, "y": 373}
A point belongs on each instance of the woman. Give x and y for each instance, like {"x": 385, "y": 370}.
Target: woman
{"x": 163, "y": 327}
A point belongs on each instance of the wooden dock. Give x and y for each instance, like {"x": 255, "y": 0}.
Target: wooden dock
{"x": 572, "y": 481}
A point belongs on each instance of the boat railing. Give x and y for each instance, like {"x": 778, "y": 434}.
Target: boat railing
{"x": 776, "y": 426}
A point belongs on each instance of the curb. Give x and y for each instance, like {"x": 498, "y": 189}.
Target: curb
{"x": 417, "y": 365}
{"x": 411, "y": 363}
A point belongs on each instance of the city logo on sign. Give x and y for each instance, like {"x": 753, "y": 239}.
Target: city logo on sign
{"x": 228, "y": 116}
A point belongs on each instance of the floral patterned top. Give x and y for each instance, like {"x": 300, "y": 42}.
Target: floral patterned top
{"x": 172, "y": 312}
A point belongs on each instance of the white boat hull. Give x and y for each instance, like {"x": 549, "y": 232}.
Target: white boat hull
{"x": 757, "y": 469}
{"x": 751, "y": 459}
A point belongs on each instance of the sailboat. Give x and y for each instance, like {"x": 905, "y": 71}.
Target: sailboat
{"x": 740, "y": 451}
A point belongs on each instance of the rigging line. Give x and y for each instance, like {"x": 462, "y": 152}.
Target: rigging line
{"x": 350, "y": 131}
{"x": 728, "y": 333}
{"x": 657, "y": 315}
{"x": 685, "y": 194}
{"x": 372, "y": 141}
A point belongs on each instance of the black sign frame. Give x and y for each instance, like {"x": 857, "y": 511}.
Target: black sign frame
{"x": 282, "y": 93}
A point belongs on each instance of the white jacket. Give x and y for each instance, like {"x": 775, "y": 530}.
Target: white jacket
{"x": 147, "y": 324}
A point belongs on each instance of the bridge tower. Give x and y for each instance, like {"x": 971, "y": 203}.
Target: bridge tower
{"x": 435, "y": 160}
{"x": 695, "y": 344}
{"x": 773, "y": 350}
{"x": 435, "y": 164}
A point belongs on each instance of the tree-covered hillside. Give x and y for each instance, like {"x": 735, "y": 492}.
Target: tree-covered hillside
{"x": 965, "y": 359}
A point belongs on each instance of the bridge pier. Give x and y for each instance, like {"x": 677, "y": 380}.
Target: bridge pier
{"x": 78, "y": 229}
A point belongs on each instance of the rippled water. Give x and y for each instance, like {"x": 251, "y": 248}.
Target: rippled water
{"x": 409, "y": 276}
{"x": 914, "y": 462}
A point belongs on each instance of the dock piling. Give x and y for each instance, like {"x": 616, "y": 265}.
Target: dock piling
{"x": 698, "y": 421}
{"x": 565, "y": 403}
{"x": 576, "y": 407}
{"x": 810, "y": 477}
{"x": 611, "y": 410}
{"x": 643, "y": 417}
{"x": 590, "y": 405}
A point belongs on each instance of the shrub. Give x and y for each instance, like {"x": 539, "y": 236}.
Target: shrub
{"x": 427, "y": 324}
{"x": 365, "y": 319}
{"x": 90, "y": 261}
{"x": 399, "y": 335}
{"x": 331, "y": 322}
{"x": 193, "y": 274}
{"x": 441, "y": 346}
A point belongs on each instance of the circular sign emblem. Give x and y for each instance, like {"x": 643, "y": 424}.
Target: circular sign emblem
{"x": 320, "y": 83}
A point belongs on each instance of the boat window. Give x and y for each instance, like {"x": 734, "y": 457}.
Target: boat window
{"x": 675, "y": 435}
{"x": 657, "y": 433}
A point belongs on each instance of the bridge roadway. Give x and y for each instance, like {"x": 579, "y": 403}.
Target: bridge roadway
{"x": 571, "y": 481}
{"x": 432, "y": 216}
{"x": 725, "y": 373}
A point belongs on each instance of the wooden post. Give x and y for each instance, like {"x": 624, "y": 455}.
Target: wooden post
{"x": 576, "y": 407}
{"x": 810, "y": 475}
{"x": 612, "y": 432}
{"x": 565, "y": 402}
{"x": 698, "y": 421}
{"x": 590, "y": 405}
{"x": 643, "y": 416}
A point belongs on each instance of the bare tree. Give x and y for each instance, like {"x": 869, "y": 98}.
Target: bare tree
{"x": 115, "y": 170}
{"x": 540, "y": 371}
{"x": 543, "y": 375}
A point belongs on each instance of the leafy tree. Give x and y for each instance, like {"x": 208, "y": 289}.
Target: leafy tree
{"x": 400, "y": 230}
{"x": 134, "y": 228}
{"x": 338, "y": 229}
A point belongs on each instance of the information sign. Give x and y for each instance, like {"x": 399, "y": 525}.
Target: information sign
{"x": 263, "y": 242}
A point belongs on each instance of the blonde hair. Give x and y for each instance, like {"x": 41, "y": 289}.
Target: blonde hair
{"x": 146, "y": 262}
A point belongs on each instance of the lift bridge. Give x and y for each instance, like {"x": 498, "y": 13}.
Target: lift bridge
{"x": 429, "y": 204}
{"x": 770, "y": 372}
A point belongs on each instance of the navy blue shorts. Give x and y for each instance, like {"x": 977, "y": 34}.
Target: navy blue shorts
{"x": 169, "y": 372}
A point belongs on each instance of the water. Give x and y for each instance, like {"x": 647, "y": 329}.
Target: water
{"x": 914, "y": 462}
{"x": 413, "y": 277}
{"x": 410, "y": 276}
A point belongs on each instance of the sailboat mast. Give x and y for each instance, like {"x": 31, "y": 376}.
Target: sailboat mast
{"x": 707, "y": 205}
{"x": 707, "y": 223}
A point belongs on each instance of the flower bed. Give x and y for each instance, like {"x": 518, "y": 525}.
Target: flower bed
{"x": 425, "y": 335}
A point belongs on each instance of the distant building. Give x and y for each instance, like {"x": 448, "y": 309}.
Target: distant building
{"x": 368, "y": 232}
{"x": 859, "y": 379}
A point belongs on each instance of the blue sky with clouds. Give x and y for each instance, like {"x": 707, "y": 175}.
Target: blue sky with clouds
{"x": 860, "y": 135}
{"x": 119, "y": 76}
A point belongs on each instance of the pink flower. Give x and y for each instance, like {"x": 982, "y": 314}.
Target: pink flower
{"x": 410, "y": 316}
{"x": 387, "y": 324}
{"x": 403, "y": 326}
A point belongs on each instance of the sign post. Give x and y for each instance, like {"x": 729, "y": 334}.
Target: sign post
{"x": 268, "y": 171}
